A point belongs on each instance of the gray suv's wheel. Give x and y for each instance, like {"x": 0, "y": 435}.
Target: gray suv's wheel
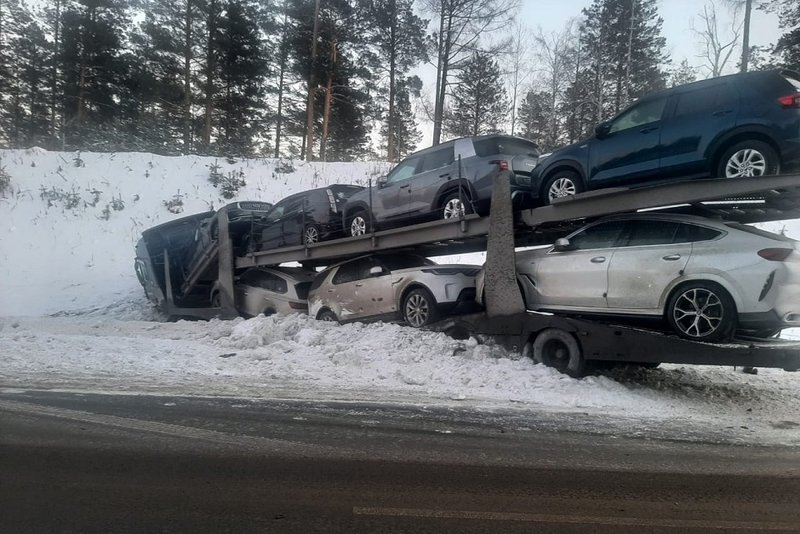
{"x": 359, "y": 224}
{"x": 327, "y": 315}
{"x": 702, "y": 311}
{"x": 748, "y": 158}
{"x": 419, "y": 308}
{"x": 561, "y": 184}
{"x": 455, "y": 206}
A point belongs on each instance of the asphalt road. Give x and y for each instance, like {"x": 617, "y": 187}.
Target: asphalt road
{"x": 106, "y": 463}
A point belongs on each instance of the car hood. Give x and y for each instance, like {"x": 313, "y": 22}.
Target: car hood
{"x": 526, "y": 256}
{"x": 455, "y": 268}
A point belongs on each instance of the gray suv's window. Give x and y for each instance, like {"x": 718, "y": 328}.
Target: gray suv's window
{"x": 437, "y": 159}
{"x": 403, "y": 171}
{"x": 504, "y": 145}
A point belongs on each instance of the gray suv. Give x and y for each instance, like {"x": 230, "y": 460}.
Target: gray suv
{"x": 444, "y": 181}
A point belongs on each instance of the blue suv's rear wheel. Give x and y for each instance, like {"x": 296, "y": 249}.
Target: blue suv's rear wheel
{"x": 748, "y": 158}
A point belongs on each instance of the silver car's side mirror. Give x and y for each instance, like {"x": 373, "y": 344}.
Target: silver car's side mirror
{"x": 562, "y": 244}
{"x": 376, "y": 270}
{"x": 381, "y": 181}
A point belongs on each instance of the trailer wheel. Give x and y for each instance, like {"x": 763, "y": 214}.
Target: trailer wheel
{"x": 560, "y": 350}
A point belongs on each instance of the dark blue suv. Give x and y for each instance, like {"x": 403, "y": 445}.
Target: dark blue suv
{"x": 746, "y": 124}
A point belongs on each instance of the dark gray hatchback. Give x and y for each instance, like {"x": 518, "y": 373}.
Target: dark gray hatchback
{"x": 444, "y": 181}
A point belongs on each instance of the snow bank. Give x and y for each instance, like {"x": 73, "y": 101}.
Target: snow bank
{"x": 298, "y": 357}
{"x": 70, "y": 223}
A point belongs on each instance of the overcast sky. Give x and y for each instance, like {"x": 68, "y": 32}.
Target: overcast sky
{"x": 678, "y": 17}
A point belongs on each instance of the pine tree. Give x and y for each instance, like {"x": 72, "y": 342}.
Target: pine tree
{"x": 479, "y": 99}
{"x": 682, "y": 74}
{"x": 242, "y": 68}
{"x": 788, "y": 46}
{"x": 405, "y": 133}
{"x": 533, "y": 119}
{"x": 620, "y": 58}
{"x": 398, "y": 35}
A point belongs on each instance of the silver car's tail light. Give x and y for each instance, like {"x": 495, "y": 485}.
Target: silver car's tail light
{"x": 775, "y": 254}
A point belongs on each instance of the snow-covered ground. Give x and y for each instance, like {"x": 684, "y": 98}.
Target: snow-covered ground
{"x": 73, "y": 316}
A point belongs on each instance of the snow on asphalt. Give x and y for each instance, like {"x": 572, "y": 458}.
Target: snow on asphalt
{"x": 73, "y": 316}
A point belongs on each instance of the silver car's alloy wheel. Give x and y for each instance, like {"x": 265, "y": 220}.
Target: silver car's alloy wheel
{"x": 311, "y": 235}
{"x": 454, "y": 208}
{"x": 698, "y": 312}
{"x": 562, "y": 187}
{"x": 358, "y": 226}
{"x": 746, "y": 162}
{"x": 417, "y": 310}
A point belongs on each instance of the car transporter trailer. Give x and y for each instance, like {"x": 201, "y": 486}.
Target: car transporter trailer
{"x": 572, "y": 345}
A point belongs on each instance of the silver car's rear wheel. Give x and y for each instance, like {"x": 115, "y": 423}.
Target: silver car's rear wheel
{"x": 358, "y": 224}
{"x": 419, "y": 308}
{"x": 702, "y": 311}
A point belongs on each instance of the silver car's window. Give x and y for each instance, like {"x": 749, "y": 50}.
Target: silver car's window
{"x": 603, "y": 235}
{"x": 437, "y": 159}
{"x": 403, "y": 171}
{"x": 639, "y": 115}
{"x": 690, "y": 233}
{"x": 352, "y": 271}
{"x": 404, "y": 261}
{"x": 650, "y": 232}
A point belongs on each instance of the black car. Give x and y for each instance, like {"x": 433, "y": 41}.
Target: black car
{"x": 305, "y": 217}
{"x": 444, "y": 181}
{"x": 746, "y": 124}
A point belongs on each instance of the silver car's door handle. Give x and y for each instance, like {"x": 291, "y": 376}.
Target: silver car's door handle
{"x": 672, "y": 257}
{"x": 598, "y": 259}
{"x": 359, "y": 285}
{"x": 445, "y": 175}
{"x": 405, "y": 186}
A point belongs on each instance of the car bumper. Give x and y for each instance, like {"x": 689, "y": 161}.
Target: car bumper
{"x": 464, "y": 303}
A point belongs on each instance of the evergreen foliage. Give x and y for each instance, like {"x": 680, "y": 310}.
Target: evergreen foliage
{"x": 479, "y": 98}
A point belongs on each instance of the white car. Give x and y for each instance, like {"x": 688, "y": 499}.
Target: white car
{"x": 391, "y": 286}
{"x": 266, "y": 290}
{"x": 706, "y": 278}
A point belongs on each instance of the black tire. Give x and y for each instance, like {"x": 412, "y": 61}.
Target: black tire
{"x": 359, "y": 224}
{"x": 702, "y": 311}
{"x": 560, "y": 350}
{"x": 311, "y": 234}
{"x": 450, "y": 205}
{"x": 736, "y": 161}
{"x": 327, "y": 315}
{"x": 419, "y": 308}
{"x": 561, "y": 184}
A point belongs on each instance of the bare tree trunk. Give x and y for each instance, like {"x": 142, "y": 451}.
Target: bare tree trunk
{"x": 627, "y": 87}
{"x": 748, "y": 11}
{"x": 390, "y": 127}
{"x": 54, "y": 72}
{"x": 210, "y": 67}
{"x": 441, "y": 77}
{"x": 187, "y": 79}
{"x": 326, "y": 113}
{"x": 311, "y": 89}
{"x": 281, "y": 77}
